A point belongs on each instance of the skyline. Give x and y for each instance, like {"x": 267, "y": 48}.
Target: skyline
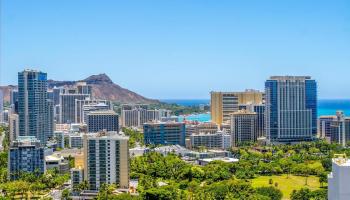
{"x": 179, "y": 50}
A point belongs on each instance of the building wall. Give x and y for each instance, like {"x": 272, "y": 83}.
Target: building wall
{"x": 165, "y": 133}
{"x": 99, "y": 122}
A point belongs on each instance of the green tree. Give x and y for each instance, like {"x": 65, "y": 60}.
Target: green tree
{"x": 271, "y": 192}
{"x": 65, "y": 195}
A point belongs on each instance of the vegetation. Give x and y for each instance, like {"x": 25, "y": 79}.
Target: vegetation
{"x": 31, "y": 185}
{"x": 179, "y": 109}
{"x": 135, "y": 137}
{"x": 271, "y": 172}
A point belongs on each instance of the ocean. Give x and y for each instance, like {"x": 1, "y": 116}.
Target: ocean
{"x": 325, "y": 107}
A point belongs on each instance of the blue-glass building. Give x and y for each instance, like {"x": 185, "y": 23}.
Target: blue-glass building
{"x": 291, "y": 109}
{"x": 25, "y": 155}
{"x": 34, "y": 109}
{"x": 165, "y": 133}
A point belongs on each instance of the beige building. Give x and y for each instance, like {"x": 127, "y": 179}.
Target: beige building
{"x": 14, "y": 126}
{"x": 223, "y": 104}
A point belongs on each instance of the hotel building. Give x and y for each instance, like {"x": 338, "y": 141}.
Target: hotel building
{"x": 102, "y": 120}
{"x": 291, "y": 109}
{"x": 223, "y": 104}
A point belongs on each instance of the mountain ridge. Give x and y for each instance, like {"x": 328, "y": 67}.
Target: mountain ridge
{"x": 102, "y": 88}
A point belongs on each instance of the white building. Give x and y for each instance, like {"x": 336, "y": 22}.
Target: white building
{"x": 218, "y": 140}
{"x": 136, "y": 117}
{"x": 339, "y": 179}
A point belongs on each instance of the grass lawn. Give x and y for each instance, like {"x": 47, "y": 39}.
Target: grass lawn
{"x": 287, "y": 185}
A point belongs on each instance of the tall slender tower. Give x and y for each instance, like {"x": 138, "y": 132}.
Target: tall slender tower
{"x": 291, "y": 109}
{"x": 34, "y": 109}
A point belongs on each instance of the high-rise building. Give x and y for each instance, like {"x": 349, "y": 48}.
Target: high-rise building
{"x": 324, "y": 126}
{"x": 14, "y": 127}
{"x": 68, "y": 105}
{"x": 26, "y": 155}
{"x": 165, "y": 133}
{"x": 136, "y": 117}
{"x": 222, "y": 105}
{"x": 56, "y": 95}
{"x": 107, "y": 160}
{"x": 14, "y": 101}
{"x": 243, "y": 127}
{"x": 13, "y": 96}
{"x": 84, "y": 88}
{"x": 102, "y": 120}
{"x": 259, "y": 109}
{"x": 339, "y": 179}
{"x": 34, "y": 109}
{"x": 335, "y": 128}
{"x": 291, "y": 109}
{"x": 83, "y": 107}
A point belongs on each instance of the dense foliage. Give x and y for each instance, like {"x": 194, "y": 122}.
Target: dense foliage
{"x": 135, "y": 137}
{"x": 179, "y": 109}
{"x": 161, "y": 177}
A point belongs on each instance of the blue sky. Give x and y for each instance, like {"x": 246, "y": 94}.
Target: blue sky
{"x": 179, "y": 48}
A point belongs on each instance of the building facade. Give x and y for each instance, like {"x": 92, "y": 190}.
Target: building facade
{"x": 136, "y": 117}
{"x": 222, "y": 105}
{"x": 34, "y": 108}
{"x": 218, "y": 140}
{"x": 25, "y": 155}
{"x": 67, "y": 106}
{"x": 244, "y": 127}
{"x": 165, "y": 133}
{"x": 291, "y": 109}
{"x": 107, "y": 160}
{"x": 102, "y": 120}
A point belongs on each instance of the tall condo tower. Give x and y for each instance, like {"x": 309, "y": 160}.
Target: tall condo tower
{"x": 34, "y": 109}
{"x": 291, "y": 109}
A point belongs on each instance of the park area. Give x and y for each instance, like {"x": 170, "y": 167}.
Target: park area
{"x": 287, "y": 184}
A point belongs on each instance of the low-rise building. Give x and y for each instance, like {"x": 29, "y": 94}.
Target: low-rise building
{"x": 58, "y": 162}
{"x": 218, "y": 140}
{"x": 165, "y": 133}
